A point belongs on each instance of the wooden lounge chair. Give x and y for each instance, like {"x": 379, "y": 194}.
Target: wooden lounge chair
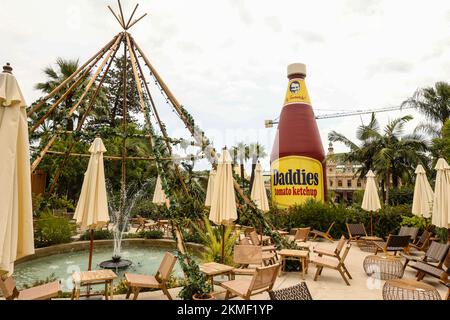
{"x": 393, "y": 244}
{"x": 409, "y": 231}
{"x": 255, "y": 238}
{"x": 137, "y": 282}
{"x": 333, "y": 263}
{"x": 301, "y": 235}
{"x": 297, "y": 292}
{"x": 269, "y": 256}
{"x": 435, "y": 254}
{"x": 427, "y": 269}
{"x": 43, "y": 292}
{"x": 422, "y": 243}
{"x": 326, "y": 235}
{"x": 263, "y": 280}
{"x": 336, "y": 253}
{"x": 356, "y": 231}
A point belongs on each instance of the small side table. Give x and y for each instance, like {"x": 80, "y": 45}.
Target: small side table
{"x": 409, "y": 289}
{"x": 302, "y": 256}
{"x": 89, "y": 278}
{"x": 214, "y": 269}
{"x": 383, "y": 267}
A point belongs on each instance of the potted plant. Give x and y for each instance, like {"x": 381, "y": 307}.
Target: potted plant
{"x": 197, "y": 286}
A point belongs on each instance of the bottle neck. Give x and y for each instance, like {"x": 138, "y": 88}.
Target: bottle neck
{"x": 297, "y": 76}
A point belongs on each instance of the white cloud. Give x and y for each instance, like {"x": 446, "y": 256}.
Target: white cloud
{"x": 226, "y": 60}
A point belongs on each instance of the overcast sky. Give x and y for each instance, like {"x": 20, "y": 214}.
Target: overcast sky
{"x": 226, "y": 60}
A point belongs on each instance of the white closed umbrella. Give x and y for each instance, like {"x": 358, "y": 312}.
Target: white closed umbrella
{"x": 371, "y": 200}
{"x": 423, "y": 194}
{"x": 210, "y": 189}
{"x": 223, "y": 205}
{"x": 92, "y": 207}
{"x": 16, "y": 210}
{"x": 159, "y": 196}
{"x": 259, "y": 193}
{"x": 441, "y": 202}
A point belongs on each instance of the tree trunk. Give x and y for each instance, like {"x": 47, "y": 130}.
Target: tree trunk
{"x": 383, "y": 190}
{"x": 252, "y": 177}
{"x": 388, "y": 186}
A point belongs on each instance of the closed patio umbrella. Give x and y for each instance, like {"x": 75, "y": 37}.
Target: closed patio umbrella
{"x": 441, "y": 202}
{"x": 92, "y": 207}
{"x": 210, "y": 189}
{"x": 223, "y": 205}
{"x": 16, "y": 211}
{"x": 423, "y": 194}
{"x": 259, "y": 193}
{"x": 371, "y": 201}
{"x": 159, "y": 196}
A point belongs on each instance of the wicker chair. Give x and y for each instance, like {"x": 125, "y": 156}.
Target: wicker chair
{"x": 435, "y": 254}
{"x": 297, "y": 292}
{"x": 393, "y": 244}
{"x": 43, "y": 292}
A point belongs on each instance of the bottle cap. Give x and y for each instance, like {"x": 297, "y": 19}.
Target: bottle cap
{"x": 296, "y": 68}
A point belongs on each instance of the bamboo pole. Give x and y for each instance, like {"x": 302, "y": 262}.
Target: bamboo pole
{"x": 131, "y": 17}
{"x": 177, "y": 107}
{"x": 86, "y": 155}
{"x": 137, "y": 20}
{"x": 81, "y": 122}
{"x": 43, "y": 153}
{"x": 115, "y": 15}
{"x": 69, "y": 91}
{"x": 123, "y": 180}
{"x": 121, "y": 13}
{"x": 38, "y": 106}
{"x": 94, "y": 77}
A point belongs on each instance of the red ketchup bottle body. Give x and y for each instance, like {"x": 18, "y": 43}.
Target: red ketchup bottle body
{"x": 298, "y": 162}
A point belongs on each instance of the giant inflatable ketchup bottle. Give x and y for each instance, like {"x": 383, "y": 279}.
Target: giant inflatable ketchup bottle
{"x": 298, "y": 163}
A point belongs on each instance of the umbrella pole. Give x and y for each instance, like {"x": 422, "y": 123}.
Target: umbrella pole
{"x": 223, "y": 244}
{"x": 91, "y": 248}
{"x": 371, "y": 224}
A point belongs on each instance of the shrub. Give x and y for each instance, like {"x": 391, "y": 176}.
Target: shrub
{"x": 320, "y": 216}
{"x": 154, "y": 234}
{"x": 51, "y": 230}
{"x": 417, "y": 222}
{"x": 403, "y": 195}
{"x": 98, "y": 235}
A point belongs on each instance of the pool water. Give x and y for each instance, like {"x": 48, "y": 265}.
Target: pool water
{"x": 61, "y": 266}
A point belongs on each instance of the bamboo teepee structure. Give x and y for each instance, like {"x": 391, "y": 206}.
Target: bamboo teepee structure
{"x": 94, "y": 72}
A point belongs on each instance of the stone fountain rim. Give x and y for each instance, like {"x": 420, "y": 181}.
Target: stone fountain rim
{"x": 84, "y": 245}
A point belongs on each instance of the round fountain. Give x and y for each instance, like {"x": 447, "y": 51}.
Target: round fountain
{"x": 117, "y": 263}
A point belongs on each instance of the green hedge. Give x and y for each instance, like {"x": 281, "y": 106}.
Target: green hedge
{"x": 51, "y": 230}
{"x": 320, "y": 216}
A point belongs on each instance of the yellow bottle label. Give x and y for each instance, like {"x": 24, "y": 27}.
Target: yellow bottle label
{"x": 297, "y": 92}
{"x": 295, "y": 180}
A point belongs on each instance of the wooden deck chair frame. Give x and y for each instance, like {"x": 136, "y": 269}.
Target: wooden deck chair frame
{"x": 255, "y": 240}
{"x": 245, "y": 255}
{"x": 436, "y": 253}
{"x": 394, "y": 243}
{"x": 422, "y": 243}
{"x": 325, "y": 235}
{"x": 302, "y": 234}
{"x": 263, "y": 280}
{"x": 137, "y": 282}
{"x": 46, "y": 291}
{"x": 340, "y": 266}
{"x": 359, "y": 230}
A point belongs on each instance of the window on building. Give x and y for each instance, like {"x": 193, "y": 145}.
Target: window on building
{"x": 331, "y": 183}
{"x": 340, "y": 183}
{"x": 359, "y": 184}
{"x": 331, "y": 169}
{"x": 349, "y": 183}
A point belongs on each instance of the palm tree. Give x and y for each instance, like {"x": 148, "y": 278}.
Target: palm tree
{"x": 391, "y": 153}
{"x": 241, "y": 153}
{"x": 256, "y": 152}
{"x": 434, "y": 104}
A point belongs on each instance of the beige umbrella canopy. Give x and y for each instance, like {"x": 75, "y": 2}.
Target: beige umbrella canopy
{"x": 159, "y": 196}
{"x": 441, "y": 203}
{"x": 210, "y": 189}
{"x": 371, "y": 201}
{"x": 259, "y": 193}
{"x": 423, "y": 194}
{"x": 16, "y": 211}
{"x": 92, "y": 207}
{"x": 223, "y": 204}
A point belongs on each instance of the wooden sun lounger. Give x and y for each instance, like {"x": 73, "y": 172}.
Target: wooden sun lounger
{"x": 326, "y": 235}
{"x": 137, "y": 282}
{"x": 393, "y": 244}
{"x": 263, "y": 280}
{"x": 435, "y": 254}
{"x": 43, "y": 292}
